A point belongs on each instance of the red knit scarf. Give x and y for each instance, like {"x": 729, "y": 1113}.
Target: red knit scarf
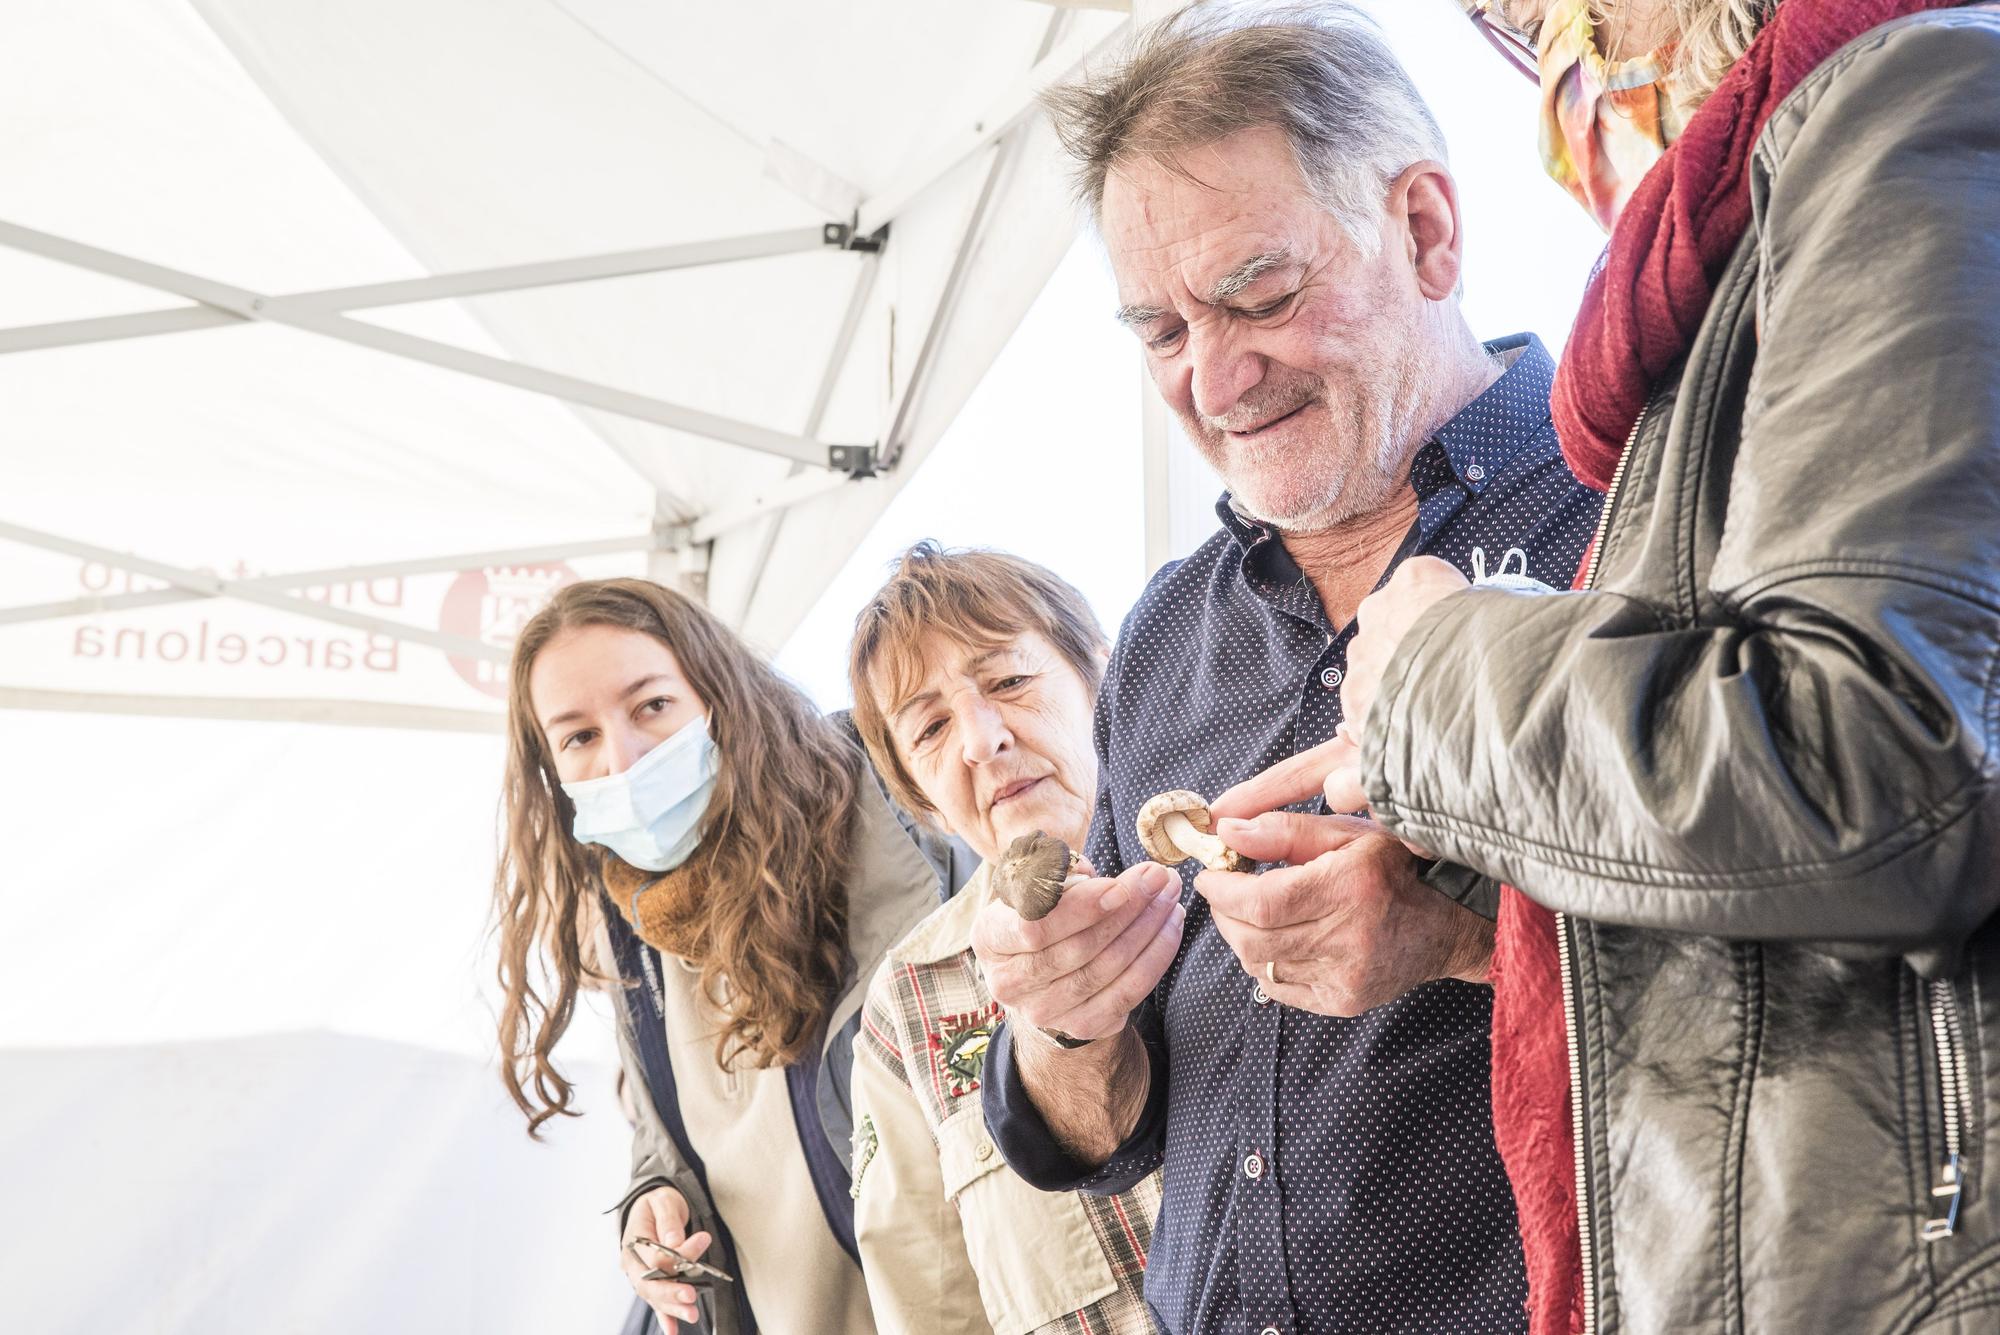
{"x": 1639, "y": 315}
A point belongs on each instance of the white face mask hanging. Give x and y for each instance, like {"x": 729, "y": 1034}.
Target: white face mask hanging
{"x": 651, "y": 814}
{"x": 1514, "y": 581}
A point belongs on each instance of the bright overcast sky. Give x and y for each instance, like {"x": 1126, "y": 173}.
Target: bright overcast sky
{"x": 1044, "y": 460}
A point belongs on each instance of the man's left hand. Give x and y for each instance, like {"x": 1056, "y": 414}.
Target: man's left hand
{"x": 1385, "y": 617}
{"x": 1347, "y": 926}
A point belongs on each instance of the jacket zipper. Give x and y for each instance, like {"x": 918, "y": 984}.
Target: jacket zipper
{"x": 1564, "y": 958}
{"x": 1949, "y": 1189}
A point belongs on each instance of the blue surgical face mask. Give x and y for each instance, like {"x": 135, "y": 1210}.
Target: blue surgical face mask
{"x": 651, "y": 814}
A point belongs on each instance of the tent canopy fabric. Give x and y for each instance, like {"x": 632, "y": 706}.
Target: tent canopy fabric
{"x": 455, "y": 298}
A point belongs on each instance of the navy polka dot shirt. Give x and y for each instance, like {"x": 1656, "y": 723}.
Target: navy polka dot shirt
{"x": 1321, "y": 1174}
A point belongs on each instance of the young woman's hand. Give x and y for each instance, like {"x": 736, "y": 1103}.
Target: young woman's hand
{"x": 662, "y": 1215}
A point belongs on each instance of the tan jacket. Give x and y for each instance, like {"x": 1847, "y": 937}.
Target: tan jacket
{"x": 740, "y": 1122}
{"x": 952, "y": 1241}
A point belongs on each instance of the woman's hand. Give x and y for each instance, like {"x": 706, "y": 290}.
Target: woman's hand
{"x": 662, "y": 1215}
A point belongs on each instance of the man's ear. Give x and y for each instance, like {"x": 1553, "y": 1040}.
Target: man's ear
{"x": 1424, "y": 199}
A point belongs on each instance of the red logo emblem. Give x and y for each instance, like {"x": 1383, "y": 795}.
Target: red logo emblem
{"x": 491, "y": 606}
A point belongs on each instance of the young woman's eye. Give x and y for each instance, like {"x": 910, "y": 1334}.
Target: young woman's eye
{"x": 657, "y": 705}
{"x": 576, "y": 739}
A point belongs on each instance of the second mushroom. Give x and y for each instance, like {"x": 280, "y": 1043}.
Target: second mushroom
{"x": 1176, "y": 826}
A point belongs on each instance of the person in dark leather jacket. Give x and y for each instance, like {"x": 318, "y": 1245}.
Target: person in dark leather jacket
{"x": 1745, "y": 1074}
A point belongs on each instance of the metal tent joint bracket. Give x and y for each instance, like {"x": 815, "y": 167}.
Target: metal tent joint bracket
{"x": 847, "y": 236}
{"x": 854, "y": 460}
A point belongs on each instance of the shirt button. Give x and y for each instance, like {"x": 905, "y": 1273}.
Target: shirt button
{"x": 1330, "y": 678}
{"x": 1270, "y": 1330}
{"x": 1253, "y": 1166}
{"x": 1260, "y": 996}
{"x": 984, "y": 1152}
{"x": 1474, "y": 473}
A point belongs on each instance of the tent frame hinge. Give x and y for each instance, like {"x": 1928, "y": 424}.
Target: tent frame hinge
{"x": 857, "y": 461}
{"x": 848, "y": 236}
{"x": 671, "y": 535}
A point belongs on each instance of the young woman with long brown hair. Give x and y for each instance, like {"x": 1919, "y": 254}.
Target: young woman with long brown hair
{"x": 682, "y": 825}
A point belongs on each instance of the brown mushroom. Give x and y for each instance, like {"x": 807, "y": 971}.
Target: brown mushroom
{"x": 1176, "y": 826}
{"x": 1029, "y": 876}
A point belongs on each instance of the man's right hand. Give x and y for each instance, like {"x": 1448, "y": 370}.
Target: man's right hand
{"x": 662, "y": 1215}
{"x": 1082, "y": 969}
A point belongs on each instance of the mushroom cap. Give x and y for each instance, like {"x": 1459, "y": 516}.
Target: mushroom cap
{"x": 1028, "y": 877}
{"x": 1153, "y": 837}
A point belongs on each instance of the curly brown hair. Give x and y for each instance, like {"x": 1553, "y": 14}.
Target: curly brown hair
{"x": 771, "y": 864}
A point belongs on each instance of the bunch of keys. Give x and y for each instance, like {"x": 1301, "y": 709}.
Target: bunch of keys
{"x": 684, "y": 1266}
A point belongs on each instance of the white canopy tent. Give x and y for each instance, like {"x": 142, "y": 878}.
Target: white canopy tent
{"x": 333, "y": 335}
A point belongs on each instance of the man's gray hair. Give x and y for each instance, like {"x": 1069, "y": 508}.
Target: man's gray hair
{"x": 1320, "y": 73}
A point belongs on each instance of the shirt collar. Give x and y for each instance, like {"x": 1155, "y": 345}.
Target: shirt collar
{"x": 1477, "y": 443}
{"x": 1489, "y": 433}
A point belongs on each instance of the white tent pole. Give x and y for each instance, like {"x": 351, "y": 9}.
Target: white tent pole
{"x": 435, "y": 287}
{"x": 431, "y": 565}
{"x": 781, "y": 495}
{"x": 1000, "y": 118}
{"x": 216, "y": 586}
{"x": 364, "y": 713}
{"x": 252, "y": 305}
{"x": 836, "y": 364}
{"x": 1004, "y": 155}
{"x": 110, "y": 328}
{"x": 580, "y": 269}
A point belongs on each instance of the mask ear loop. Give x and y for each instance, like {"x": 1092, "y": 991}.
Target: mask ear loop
{"x": 1479, "y": 575}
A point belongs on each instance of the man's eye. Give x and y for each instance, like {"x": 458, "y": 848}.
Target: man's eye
{"x": 1165, "y": 342}
{"x": 1266, "y": 312}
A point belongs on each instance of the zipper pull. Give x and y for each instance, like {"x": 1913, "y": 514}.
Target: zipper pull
{"x": 1950, "y": 1185}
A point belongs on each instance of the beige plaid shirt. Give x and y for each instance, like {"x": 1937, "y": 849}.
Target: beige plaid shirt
{"x": 951, "y": 1239}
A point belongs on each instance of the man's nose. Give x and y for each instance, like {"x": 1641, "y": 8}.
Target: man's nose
{"x": 982, "y": 731}
{"x": 1221, "y": 368}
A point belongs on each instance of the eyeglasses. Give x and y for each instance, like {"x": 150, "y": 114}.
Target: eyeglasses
{"x": 1517, "y": 48}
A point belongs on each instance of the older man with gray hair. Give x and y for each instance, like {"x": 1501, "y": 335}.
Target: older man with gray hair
{"x": 1286, "y": 240}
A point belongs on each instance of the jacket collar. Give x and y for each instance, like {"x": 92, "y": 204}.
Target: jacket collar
{"x": 948, "y": 931}
{"x": 889, "y": 886}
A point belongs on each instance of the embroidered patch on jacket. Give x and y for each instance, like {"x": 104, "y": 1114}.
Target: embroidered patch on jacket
{"x": 866, "y": 1142}
{"x": 960, "y": 1044}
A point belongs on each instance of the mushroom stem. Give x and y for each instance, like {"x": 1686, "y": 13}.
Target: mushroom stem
{"x": 1197, "y": 842}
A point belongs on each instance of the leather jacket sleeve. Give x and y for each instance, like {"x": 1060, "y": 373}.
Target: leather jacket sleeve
{"x": 1794, "y": 736}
